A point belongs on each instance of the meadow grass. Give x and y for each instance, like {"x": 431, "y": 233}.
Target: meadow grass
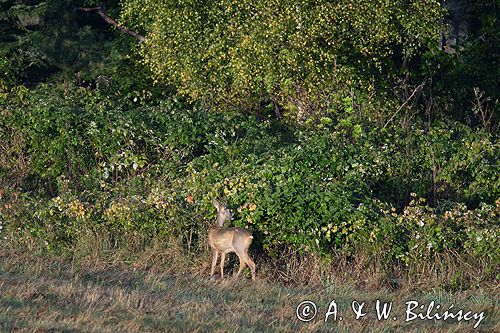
{"x": 49, "y": 293}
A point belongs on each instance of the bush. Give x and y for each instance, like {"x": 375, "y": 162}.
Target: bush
{"x": 333, "y": 186}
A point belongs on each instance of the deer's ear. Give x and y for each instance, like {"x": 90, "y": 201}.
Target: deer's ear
{"x": 216, "y": 204}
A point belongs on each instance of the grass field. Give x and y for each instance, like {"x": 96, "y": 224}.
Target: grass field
{"x": 41, "y": 293}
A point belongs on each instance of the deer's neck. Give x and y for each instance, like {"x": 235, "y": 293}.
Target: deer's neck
{"x": 219, "y": 223}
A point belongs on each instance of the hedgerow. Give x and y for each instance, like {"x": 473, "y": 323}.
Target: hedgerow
{"x": 76, "y": 160}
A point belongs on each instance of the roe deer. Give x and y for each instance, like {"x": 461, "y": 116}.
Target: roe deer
{"x": 227, "y": 240}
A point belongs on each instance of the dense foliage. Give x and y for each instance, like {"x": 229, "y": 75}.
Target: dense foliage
{"x": 305, "y": 56}
{"x": 84, "y": 161}
{"x": 394, "y": 155}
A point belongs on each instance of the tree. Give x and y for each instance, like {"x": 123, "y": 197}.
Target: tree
{"x": 304, "y": 56}
{"x": 50, "y": 40}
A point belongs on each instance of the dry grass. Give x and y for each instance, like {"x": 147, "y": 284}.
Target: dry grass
{"x": 42, "y": 293}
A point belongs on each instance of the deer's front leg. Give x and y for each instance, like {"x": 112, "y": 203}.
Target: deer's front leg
{"x": 214, "y": 262}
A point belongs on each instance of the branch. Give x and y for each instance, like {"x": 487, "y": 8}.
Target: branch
{"x": 417, "y": 89}
{"x": 101, "y": 11}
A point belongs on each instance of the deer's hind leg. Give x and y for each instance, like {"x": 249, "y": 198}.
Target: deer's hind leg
{"x": 242, "y": 265}
{"x": 245, "y": 260}
{"x": 250, "y": 264}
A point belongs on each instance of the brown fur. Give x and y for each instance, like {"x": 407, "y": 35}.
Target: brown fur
{"x": 227, "y": 240}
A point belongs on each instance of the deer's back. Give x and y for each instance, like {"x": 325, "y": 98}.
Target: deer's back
{"x": 233, "y": 239}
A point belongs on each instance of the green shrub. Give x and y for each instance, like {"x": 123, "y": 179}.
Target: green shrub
{"x": 323, "y": 188}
